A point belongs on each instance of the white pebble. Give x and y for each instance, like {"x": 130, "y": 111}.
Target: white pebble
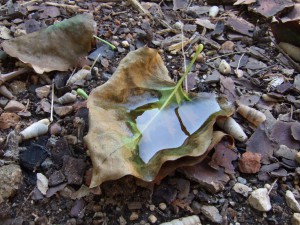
{"x": 224, "y": 67}
{"x": 152, "y": 207}
{"x": 152, "y": 218}
{"x": 260, "y": 200}
{"x": 213, "y": 11}
{"x": 162, "y": 206}
{"x": 125, "y": 44}
{"x": 291, "y": 201}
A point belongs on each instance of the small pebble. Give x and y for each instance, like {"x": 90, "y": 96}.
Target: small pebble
{"x": 297, "y": 158}
{"x": 43, "y": 92}
{"x": 297, "y": 170}
{"x": 296, "y": 219}
{"x": 268, "y": 186}
{"x": 241, "y": 189}
{"x": 291, "y": 201}
{"x": 212, "y": 213}
{"x": 14, "y": 106}
{"x": 162, "y": 206}
{"x": 242, "y": 180}
{"x": 260, "y": 200}
{"x": 152, "y": 207}
{"x": 152, "y": 218}
{"x": 213, "y": 11}
{"x": 134, "y": 216}
{"x": 125, "y": 44}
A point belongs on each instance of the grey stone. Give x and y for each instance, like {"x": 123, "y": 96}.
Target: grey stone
{"x": 14, "y": 106}
{"x": 242, "y": 180}
{"x": 286, "y": 152}
{"x": 212, "y": 213}
{"x": 241, "y": 189}
{"x": 42, "y": 92}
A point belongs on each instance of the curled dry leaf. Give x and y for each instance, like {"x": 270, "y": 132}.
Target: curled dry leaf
{"x": 36, "y": 129}
{"x": 125, "y": 115}
{"x": 252, "y": 115}
{"x": 62, "y": 44}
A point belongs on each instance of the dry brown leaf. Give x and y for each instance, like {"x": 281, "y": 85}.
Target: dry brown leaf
{"x": 59, "y": 47}
{"x": 109, "y": 132}
{"x": 269, "y": 8}
{"x": 259, "y": 143}
{"x": 223, "y": 157}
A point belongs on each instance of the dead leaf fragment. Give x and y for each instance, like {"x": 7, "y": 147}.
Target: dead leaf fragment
{"x": 281, "y": 133}
{"x": 260, "y": 143}
{"x": 240, "y": 25}
{"x": 250, "y": 162}
{"x": 223, "y": 157}
{"x": 295, "y": 128}
{"x": 62, "y": 44}
{"x": 269, "y": 8}
{"x": 205, "y": 23}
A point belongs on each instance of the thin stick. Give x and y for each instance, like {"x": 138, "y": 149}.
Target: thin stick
{"x": 272, "y": 186}
{"x": 52, "y": 102}
{"x": 184, "y": 59}
{"x": 238, "y": 66}
{"x": 105, "y": 42}
{"x": 217, "y": 57}
{"x": 95, "y": 61}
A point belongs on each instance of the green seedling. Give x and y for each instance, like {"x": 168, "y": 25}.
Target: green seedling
{"x": 106, "y": 42}
{"x": 82, "y": 93}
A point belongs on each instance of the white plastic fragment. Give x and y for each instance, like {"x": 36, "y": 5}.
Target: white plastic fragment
{"x": 42, "y": 183}
{"x": 233, "y": 128}
{"x": 189, "y": 220}
{"x": 213, "y": 11}
{"x": 36, "y": 129}
{"x": 224, "y": 67}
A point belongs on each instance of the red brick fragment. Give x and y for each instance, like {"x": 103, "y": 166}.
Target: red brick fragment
{"x": 250, "y": 162}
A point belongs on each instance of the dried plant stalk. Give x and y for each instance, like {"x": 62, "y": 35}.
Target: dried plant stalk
{"x": 252, "y": 115}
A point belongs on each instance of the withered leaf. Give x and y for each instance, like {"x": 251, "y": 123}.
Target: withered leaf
{"x": 269, "y": 8}
{"x": 59, "y": 47}
{"x": 223, "y": 157}
{"x": 282, "y": 134}
{"x": 134, "y": 86}
{"x": 260, "y": 143}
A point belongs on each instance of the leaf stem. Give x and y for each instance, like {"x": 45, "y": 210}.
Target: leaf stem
{"x": 105, "y": 42}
